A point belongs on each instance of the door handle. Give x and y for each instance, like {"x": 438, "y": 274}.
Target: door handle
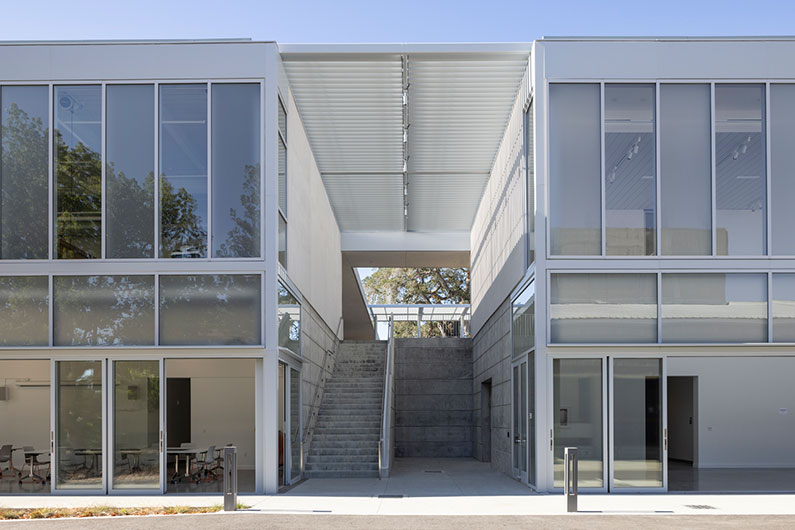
{"x": 551, "y": 440}
{"x": 665, "y": 439}
{"x": 52, "y": 442}
{"x": 161, "y": 441}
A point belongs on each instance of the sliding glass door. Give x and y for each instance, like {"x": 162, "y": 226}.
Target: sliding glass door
{"x": 136, "y": 436}
{"x": 520, "y": 420}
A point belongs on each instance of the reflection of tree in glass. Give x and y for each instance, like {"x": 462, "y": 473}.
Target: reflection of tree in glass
{"x": 24, "y": 315}
{"x": 181, "y": 233}
{"x": 23, "y": 184}
{"x": 104, "y": 310}
{"x": 289, "y": 321}
{"x": 243, "y": 239}
{"x": 130, "y": 215}
{"x": 78, "y": 173}
{"x": 210, "y": 309}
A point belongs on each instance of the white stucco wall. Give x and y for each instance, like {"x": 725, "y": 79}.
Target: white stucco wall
{"x": 314, "y": 259}
{"x": 497, "y": 240}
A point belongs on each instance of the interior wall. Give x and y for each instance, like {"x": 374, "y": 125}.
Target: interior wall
{"x": 497, "y": 239}
{"x": 314, "y": 258}
{"x": 746, "y": 409}
{"x": 222, "y": 403}
{"x": 25, "y": 414}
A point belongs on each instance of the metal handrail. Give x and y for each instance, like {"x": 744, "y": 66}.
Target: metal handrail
{"x": 385, "y": 441}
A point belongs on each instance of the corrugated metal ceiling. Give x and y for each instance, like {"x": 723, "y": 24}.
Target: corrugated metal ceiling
{"x": 352, "y": 107}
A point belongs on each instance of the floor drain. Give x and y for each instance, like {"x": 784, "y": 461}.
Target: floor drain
{"x": 700, "y": 506}
{"x": 433, "y": 470}
{"x": 390, "y": 496}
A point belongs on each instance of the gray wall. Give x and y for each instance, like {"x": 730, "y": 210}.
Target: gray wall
{"x": 433, "y": 397}
{"x": 492, "y": 362}
{"x": 316, "y": 339}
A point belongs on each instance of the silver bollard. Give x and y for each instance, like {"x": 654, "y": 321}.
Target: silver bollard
{"x": 230, "y": 478}
{"x": 570, "y": 478}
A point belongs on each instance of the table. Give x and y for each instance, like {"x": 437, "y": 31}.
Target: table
{"x": 94, "y": 454}
{"x": 177, "y": 451}
{"x": 31, "y": 458}
{"x": 133, "y": 458}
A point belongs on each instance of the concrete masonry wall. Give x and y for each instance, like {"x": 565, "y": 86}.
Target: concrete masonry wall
{"x": 433, "y": 397}
{"x": 492, "y": 363}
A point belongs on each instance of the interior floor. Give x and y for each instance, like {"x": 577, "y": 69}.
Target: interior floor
{"x": 246, "y": 483}
{"x": 682, "y": 476}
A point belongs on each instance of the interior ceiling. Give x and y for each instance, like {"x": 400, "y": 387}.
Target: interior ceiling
{"x": 457, "y": 108}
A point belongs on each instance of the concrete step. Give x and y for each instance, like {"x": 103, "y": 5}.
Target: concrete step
{"x": 330, "y": 450}
{"x": 341, "y": 474}
{"x": 346, "y": 437}
{"x": 342, "y": 466}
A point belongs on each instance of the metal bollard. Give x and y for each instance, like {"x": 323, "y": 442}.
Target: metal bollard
{"x": 230, "y": 478}
{"x": 570, "y": 478}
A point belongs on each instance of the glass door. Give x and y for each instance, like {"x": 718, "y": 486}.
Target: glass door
{"x": 638, "y": 433}
{"x": 136, "y": 435}
{"x": 520, "y": 421}
{"x": 296, "y": 442}
{"x": 78, "y": 427}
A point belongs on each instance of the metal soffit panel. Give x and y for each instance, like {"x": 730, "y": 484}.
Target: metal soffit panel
{"x": 352, "y": 106}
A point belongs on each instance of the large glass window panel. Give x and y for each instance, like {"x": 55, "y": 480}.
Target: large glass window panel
{"x": 183, "y": 171}
{"x": 782, "y": 168}
{"x": 295, "y": 425}
{"x": 236, "y": 170}
{"x": 783, "y": 307}
{"x": 78, "y": 451}
{"x": 637, "y": 423}
{"x": 24, "y": 144}
{"x": 210, "y": 309}
{"x": 578, "y": 417}
{"x": 103, "y": 310}
{"x": 741, "y": 202}
{"x": 603, "y": 308}
{"x": 714, "y": 307}
{"x": 130, "y": 171}
{"x": 529, "y": 151}
{"x": 282, "y": 241}
{"x": 77, "y": 164}
{"x": 24, "y": 311}
{"x": 282, "y": 120}
{"x": 630, "y": 170}
{"x": 136, "y": 425}
{"x": 575, "y": 195}
{"x": 531, "y": 418}
{"x": 685, "y": 170}
{"x": 524, "y": 321}
{"x": 282, "y": 176}
{"x": 289, "y": 321}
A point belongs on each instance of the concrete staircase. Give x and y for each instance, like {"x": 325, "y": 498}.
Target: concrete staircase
{"x": 345, "y": 441}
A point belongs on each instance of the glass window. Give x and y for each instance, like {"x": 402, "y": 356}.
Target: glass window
{"x": 24, "y": 311}
{"x": 183, "y": 171}
{"x": 24, "y": 144}
{"x": 289, "y": 321}
{"x": 577, "y": 407}
{"x": 130, "y": 171}
{"x": 575, "y": 195}
{"x": 77, "y": 164}
{"x": 531, "y": 184}
{"x": 782, "y": 168}
{"x": 283, "y": 176}
{"x": 714, "y": 308}
{"x": 783, "y": 308}
{"x": 630, "y": 170}
{"x": 685, "y": 170}
{"x": 210, "y": 309}
{"x": 524, "y": 327}
{"x": 282, "y": 120}
{"x": 282, "y": 242}
{"x": 740, "y": 170}
{"x": 236, "y": 170}
{"x": 603, "y": 308}
{"x": 103, "y": 310}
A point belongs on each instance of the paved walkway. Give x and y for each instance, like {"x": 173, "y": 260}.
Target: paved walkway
{"x": 425, "y": 487}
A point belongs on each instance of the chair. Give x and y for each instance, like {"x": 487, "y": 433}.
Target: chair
{"x": 207, "y": 464}
{"x": 35, "y": 463}
{"x": 5, "y": 458}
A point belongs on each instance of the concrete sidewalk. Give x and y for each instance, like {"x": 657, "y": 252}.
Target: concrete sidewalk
{"x": 440, "y": 487}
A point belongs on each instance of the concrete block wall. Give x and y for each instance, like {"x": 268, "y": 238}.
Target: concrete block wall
{"x": 492, "y": 363}
{"x": 316, "y": 339}
{"x": 433, "y": 397}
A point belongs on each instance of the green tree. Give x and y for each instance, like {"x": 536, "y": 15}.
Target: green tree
{"x": 243, "y": 239}
{"x": 424, "y": 285}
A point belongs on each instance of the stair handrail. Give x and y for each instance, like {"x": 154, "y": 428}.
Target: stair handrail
{"x": 385, "y": 440}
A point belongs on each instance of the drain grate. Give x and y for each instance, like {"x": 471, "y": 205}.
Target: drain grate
{"x": 387, "y": 496}
{"x": 433, "y": 470}
{"x": 700, "y": 507}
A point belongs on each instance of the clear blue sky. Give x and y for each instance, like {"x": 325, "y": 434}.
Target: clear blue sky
{"x": 382, "y": 21}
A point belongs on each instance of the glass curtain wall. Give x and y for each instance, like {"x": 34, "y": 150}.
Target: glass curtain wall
{"x": 77, "y": 168}
{"x": 289, "y": 321}
{"x": 236, "y": 170}
{"x": 782, "y": 167}
{"x": 296, "y": 442}
{"x": 630, "y": 170}
{"x": 130, "y": 171}
{"x": 183, "y": 171}
{"x": 783, "y": 307}
{"x": 24, "y": 178}
{"x": 282, "y": 184}
{"x": 79, "y": 426}
{"x": 24, "y": 311}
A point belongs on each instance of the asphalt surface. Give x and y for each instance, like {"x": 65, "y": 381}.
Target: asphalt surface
{"x": 245, "y": 521}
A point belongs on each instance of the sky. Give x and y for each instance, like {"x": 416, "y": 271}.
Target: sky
{"x": 291, "y": 21}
